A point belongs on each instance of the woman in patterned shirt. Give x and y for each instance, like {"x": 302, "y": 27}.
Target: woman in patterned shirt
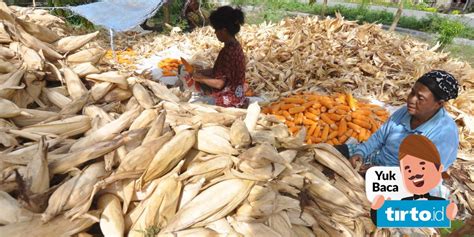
{"x": 227, "y": 78}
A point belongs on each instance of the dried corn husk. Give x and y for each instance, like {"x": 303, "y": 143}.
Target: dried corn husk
{"x": 85, "y": 69}
{"x": 75, "y": 87}
{"x": 64, "y": 162}
{"x": 252, "y": 229}
{"x": 239, "y": 134}
{"x": 6, "y": 52}
{"x": 210, "y": 141}
{"x": 59, "y": 226}
{"x": 142, "y": 95}
{"x": 208, "y": 168}
{"x": 261, "y": 156}
{"x": 8, "y": 140}
{"x": 40, "y": 32}
{"x": 30, "y": 57}
{"x": 162, "y": 204}
{"x": 111, "y": 219}
{"x": 86, "y": 56}
{"x": 72, "y": 43}
{"x": 9, "y": 110}
{"x": 156, "y": 128}
{"x": 7, "y": 67}
{"x": 74, "y": 190}
{"x": 99, "y": 90}
{"x": 112, "y": 77}
{"x": 291, "y": 187}
{"x": 56, "y": 98}
{"x": 169, "y": 155}
{"x": 26, "y": 38}
{"x": 8, "y": 87}
{"x": 190, "y": 191}
{"x": 144, "y": 119}
{"x": 65, "y": 127}
{"x": 233, "y": 192}
{"x": 252, "y": 116}
{"x": 117, "y": 94}
{"x": 161, "y": 91}
{"x": 331, "y": 158}
{"x": 4, "y": 36}
{"x": 108, "y": 131}
{"x": 12, "y": 212}
{"x": 37, "y": 172}
{"x": 280, "y": 222}
{"x": 140, "y": 157}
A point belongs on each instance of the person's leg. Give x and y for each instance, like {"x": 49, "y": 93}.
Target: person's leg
{"x": 203, "y": 99}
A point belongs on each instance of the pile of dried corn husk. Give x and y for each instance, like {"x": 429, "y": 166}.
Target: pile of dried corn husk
{"x": 333, "y": 55}
{"x": 330, "y": 55}
{"x": 81, "y": 145}
{"x": 123, "y": 152}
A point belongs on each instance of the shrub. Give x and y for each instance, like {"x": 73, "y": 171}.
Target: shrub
{"x": 430, "y": 9}
{"x": 448, "y": 30}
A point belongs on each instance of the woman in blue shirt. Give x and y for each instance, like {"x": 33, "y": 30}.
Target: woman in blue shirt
{"x": 424, "y": 114}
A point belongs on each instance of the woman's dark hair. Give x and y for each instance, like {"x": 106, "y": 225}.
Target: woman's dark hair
{"x": 228, "y": 18}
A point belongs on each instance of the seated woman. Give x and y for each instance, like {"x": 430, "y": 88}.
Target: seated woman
{"x": 424, "y": 114}
{"x": 226, "y": 80}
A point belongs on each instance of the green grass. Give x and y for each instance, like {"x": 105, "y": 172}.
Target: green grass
{"x": 407, "y": 4}
{"x": 462, "y": 52}
{"x": 454, "y": 226}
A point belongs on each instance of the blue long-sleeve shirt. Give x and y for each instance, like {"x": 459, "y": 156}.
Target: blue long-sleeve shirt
{"x": 382, "y": 147}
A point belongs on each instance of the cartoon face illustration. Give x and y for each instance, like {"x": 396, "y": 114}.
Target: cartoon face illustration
{"x": 419, "y": 176}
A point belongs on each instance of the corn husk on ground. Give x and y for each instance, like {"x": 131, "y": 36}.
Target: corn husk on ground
{"x": 128, "y": 156}
{"x": 332, "y": 55}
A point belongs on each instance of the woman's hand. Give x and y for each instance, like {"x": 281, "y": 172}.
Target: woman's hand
{"x": 214, "y": 83}
{"x": 205, "y": 72}
{"x": 354, "y": 160}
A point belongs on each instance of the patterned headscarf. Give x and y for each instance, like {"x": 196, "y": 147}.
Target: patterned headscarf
{"x": 442, "y": 84}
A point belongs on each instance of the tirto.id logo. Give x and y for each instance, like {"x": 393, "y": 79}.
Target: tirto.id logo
{"x": 413, "y": 214}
